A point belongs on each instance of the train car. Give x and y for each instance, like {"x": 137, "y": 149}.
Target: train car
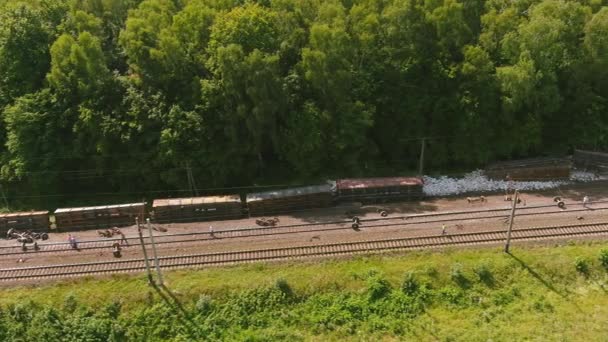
{"x": 197, "y": 209}
{"x": 286, "y": 200}
{"x": 379, "y": 189}
{"x": 588, "y": 160}
{"x": 36, "y": 221}
{"x": 99, "y": 217}
{"x": 530, "y": 169}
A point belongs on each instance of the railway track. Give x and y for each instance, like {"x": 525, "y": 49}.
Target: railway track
{"x": 298, "y": 252}
{"x": 369, "y": 223}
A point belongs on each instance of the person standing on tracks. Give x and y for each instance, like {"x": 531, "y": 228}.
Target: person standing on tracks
{"x": 211, "y": 234}
{"x": 443, "y": 232}
{"x": 72, "y": 241}
{"x": 586, "y": 201}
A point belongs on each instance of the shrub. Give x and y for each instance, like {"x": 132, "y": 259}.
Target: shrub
{"x": 377, "y": 287}
{"x": 451, "y": 295}
{"x": 70, "y": 303}
{"x": 604, "y": 258}
{"x": 458, "y": 276}
{"x": 283, "y": 286}
{"x": 203, "y": 304}
{"x": 410, "y": 284}
{"x": 484, "y": 273}
{"x": 505, "y": 296}
{"x": 581, "y": 265}
{"x": 542, "y": 305}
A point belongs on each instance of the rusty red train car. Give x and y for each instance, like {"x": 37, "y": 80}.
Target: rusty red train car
{"x": 379, "y": 189}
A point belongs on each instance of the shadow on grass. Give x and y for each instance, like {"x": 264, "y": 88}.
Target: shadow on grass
{"x": 174, "y": 303}
{"x": 537, "y": 275}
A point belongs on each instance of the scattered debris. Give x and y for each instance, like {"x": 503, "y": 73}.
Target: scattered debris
{"x": 315, "y": 237}
{"x": 160, "y": 229}
{"x": 108, "y": 233}
{"x": 480, "y": 199}
{"x": 26, "y": 236}
{"x": 267, "y": 222}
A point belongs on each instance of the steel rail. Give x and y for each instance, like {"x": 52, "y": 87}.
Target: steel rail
{"x": 306, "y": 251}
{"x": 256, "y": 231}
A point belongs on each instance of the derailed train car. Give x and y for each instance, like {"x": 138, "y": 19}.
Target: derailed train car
{"x": 99, "y": 217}
{"x": 379, "y": 189}
{"x": 225, "y": 207}
{"x": 286, "y": 200}
{"x": 196, "y": 209}
{"x": 530, "y": 169}
{"x": 591, "y": 160}
{"x": 36, "y": 221}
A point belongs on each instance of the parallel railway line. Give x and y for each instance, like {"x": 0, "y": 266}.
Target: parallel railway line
{"x": 307, "y": 251}
{"x": 368, "y": 223}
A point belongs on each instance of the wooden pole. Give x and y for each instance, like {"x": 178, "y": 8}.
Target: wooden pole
{"x": 156, "y": 262}
{"x": 508, "y": 243}
{"x": 143, "y": 247}
{"x": 421, "y": 162}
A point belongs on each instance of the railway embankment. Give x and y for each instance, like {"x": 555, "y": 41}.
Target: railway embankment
{"x": 555, "y": 292}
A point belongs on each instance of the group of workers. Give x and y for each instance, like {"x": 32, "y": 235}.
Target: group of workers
{"x": 586, "y": 202}
{"x": 116, "y": 247}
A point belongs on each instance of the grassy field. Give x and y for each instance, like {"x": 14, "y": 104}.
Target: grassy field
{"x": 546, "y": 293}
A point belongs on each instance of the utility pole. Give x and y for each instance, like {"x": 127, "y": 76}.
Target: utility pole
{"x": 421, "y": 163}
{"x": 515, "y": 197}
{"x": 160, "y": 275}
{"x": 143, "y": 247}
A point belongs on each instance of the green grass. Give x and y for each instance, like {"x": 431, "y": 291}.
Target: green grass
{"x": 538, "y": 293}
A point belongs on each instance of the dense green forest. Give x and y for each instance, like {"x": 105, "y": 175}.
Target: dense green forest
{"x": 127, "y": 95}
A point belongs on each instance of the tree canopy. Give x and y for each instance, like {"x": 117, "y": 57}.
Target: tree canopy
{"x": 117, "y": 96}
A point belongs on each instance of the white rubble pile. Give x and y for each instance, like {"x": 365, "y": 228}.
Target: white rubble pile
{"x": 585, "y": 176}
{"x": 476, "y": 181}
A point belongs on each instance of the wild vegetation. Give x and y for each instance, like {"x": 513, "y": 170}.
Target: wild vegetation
{"x": 536, "y": 293}
{"x": 127, "y": 95}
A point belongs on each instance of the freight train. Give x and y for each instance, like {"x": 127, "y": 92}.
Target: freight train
{"x": 174, "y": 210}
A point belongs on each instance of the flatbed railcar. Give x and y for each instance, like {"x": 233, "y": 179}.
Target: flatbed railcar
{"x": 35, "y": 221}
{"x": 99, "y": 217}
{"x": 197, "y": 209}
{"x": 286, "y": 200}
{"x": 379, "y": 189}
{"x": 530, "y": 169}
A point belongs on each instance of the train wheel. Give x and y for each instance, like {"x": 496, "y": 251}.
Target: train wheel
{"x": 557, "y": 199}
{"x": 561, "y": 204}
{"x": 383, "y": 213}
{"x": 44, "y": 236}
{"x": 355, "y": 226}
